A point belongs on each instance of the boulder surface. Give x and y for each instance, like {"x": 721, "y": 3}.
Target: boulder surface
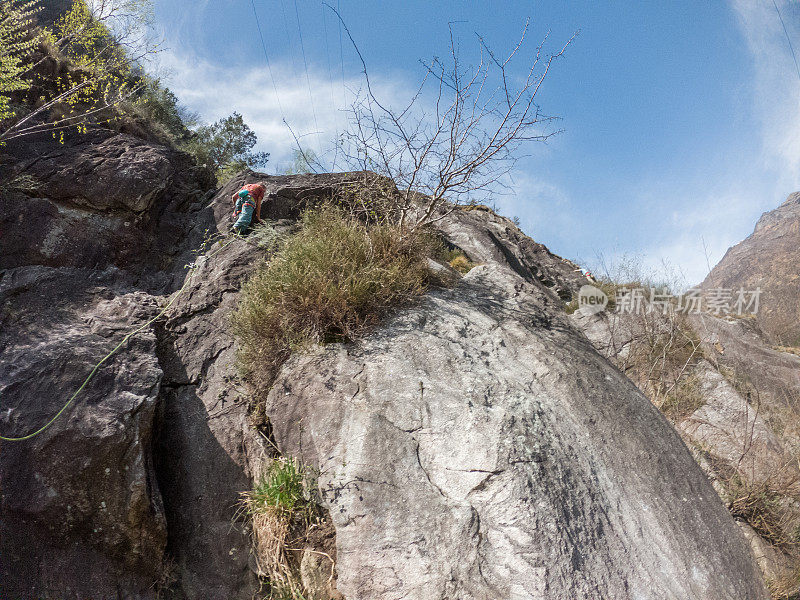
{"x": 474, "y": 446}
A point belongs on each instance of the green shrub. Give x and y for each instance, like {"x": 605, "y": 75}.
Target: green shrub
{"x": 225, "y": 146}
{"x": 280, "y": 489}
{"x": 17, "y": 43}
{"x": 328, "y": 282}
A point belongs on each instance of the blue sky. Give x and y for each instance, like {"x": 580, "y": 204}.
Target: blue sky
{"x": 681, "y": 119}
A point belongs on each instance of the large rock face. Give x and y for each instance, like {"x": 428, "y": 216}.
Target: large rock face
{"x": 99, "y": 199}
{"x": 478, "y": 447}
{"x": 769, "y": 259}
{"x": 84, "y": 492}
{"x": 475, "y": 446}
{"x": 82, "y": 513}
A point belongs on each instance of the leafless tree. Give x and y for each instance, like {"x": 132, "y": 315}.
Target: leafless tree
{"x": 466, "y": 144}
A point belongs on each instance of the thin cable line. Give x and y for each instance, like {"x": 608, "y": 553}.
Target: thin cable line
{"x": 330, "y": 83}
{"x": 794, "y": 57}
{"x": 341, "y": 53}
{"x": 266, "y": 56}
{"x": 308, "y": 79}
{"x": 289, "y": 43}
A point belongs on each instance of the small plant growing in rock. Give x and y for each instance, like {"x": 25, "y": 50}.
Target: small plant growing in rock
{"x": 458, "y": 260}
{"x": 789, "y": 349}
{"x": 281, "y": 512}
{"x": 280, "y": 489}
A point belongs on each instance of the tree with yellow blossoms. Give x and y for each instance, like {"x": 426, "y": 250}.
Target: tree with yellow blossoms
{"x": 100, "y": 47}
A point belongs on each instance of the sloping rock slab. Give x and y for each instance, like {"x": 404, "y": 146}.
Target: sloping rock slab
{"x": 768, "y": 259}
{"x": 478, "y": 447}
{"x": 732, "y": 430}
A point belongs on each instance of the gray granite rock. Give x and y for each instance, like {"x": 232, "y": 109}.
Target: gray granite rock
{"x": 478, "y": 447}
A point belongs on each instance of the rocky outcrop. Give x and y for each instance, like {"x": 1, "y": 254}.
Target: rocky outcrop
{"x": 732, "y": 431}
{"x": 735, "y": 397}
{"x": 768, "y": 259}
{"x": 478, "y": 447}
{"x": 99, "y": 199}
{"x": 82, "y": 514}
{"x": 84, "y": 492}
{"x": 136, "y": 488}
{"x": 473, "y": 446}
{"x": 742, "y": 347}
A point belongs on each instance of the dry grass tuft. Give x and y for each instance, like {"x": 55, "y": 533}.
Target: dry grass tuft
{"x": 457, "y": 259}
{"x": 327, "y": 283}
{"x": 790, "y": 349}
{"x": 461, "y": 264}
{"x": 766, "y": 507}
{"x": 684, "y": 398}
{"x": 786, "y": 586}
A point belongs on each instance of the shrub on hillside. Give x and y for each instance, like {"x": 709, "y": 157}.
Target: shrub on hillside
{"x": 327, "y": 283}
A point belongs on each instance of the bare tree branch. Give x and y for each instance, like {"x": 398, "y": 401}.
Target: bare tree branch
{"x": 468, "y": 141}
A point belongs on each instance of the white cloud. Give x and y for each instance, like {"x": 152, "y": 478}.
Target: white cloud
{"x": 544, "y": 209}
{"x": 215, "y": 91}
{"x": 696, "y": 222}
{"x": 672, "y": 220}
{"x": 776, "y": 84}
{"x": 700, "y": 228}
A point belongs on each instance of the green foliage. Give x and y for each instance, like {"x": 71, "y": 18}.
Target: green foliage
{"x": 302, "y": 162}
{"x": 17, "y": 43}
{"x": 281, "y": 513}
{"x": 97, "y": 50}
{"x": 158, "y": 106}
{"x": 328, "y": 282}
{"x": 280, "y": 489}
{"x": 225, "y": 146}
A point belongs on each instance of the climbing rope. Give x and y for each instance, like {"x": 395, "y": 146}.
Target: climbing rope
{"x": 192, "y": 267}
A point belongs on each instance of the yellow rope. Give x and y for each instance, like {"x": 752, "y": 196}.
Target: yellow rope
{"x": 191, "y": 267}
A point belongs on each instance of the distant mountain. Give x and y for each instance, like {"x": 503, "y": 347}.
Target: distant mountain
{"x": 769, "y": 259}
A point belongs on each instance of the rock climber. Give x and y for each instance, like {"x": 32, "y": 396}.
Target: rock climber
{"x": 247, "y": 205}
